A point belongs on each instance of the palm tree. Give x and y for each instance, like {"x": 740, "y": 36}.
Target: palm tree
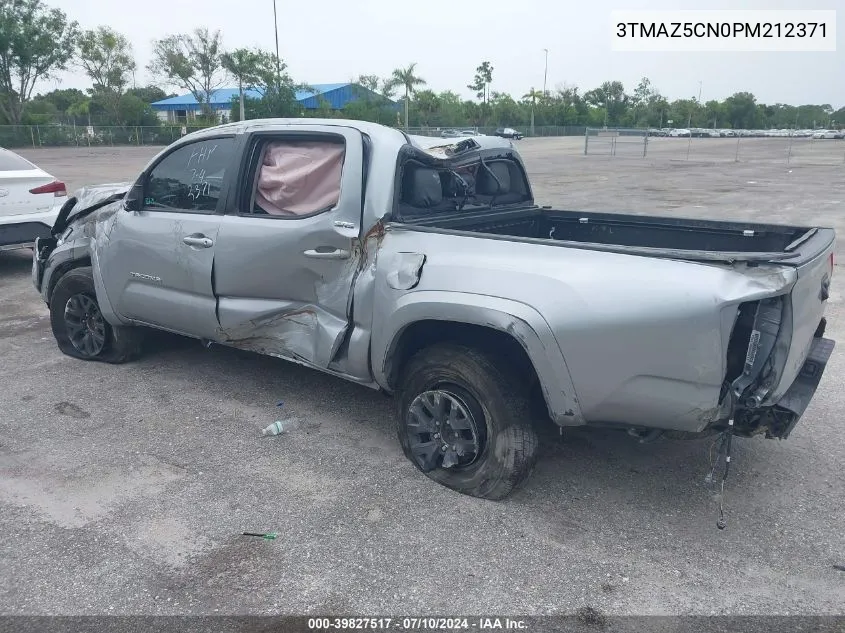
{"x": 406, "y": 77}
{"x": 533, "y": 95}
{"x": 242, "y": 64}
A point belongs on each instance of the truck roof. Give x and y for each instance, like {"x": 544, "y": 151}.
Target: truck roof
{"x": 372, "y": 129}
{"x": 379, "y": 133}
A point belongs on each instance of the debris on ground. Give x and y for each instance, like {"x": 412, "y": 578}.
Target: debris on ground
{"x": 278, "y": 427}
{"x": 269, "y": 536}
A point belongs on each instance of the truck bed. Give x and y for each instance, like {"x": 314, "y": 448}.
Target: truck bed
{"x": 682, "y": 238}
{"x": 768, "y": 279}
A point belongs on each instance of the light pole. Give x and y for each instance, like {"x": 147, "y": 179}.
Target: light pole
{"x": 533, "y": 100}
{"x": 604, "y": 92}
{"x": 276, "y": 27}
{"x": 545, "y": 71}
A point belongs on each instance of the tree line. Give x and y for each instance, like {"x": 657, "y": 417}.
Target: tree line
{"x": 36, "y": 42}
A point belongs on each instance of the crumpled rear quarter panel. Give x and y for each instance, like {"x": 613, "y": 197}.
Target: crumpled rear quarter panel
{"x": 644, "y": 339}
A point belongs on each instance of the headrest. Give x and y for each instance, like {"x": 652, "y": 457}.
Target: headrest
{"x": 496, "y": 183}
{"x": 421, "y": 187}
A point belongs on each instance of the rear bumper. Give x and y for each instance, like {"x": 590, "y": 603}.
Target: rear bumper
{"x": 22, "y": 235}
{"x": 798, "y": 396}
{"x": 780, "y": 419}
{"x": 18, "y": 231}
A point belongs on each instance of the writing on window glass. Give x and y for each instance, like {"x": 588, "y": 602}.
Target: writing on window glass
{"x": 190, "y": 177}
{"x": 199, "y": 186}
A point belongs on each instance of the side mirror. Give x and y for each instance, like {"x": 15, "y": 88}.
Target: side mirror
{"x": 134, "y": 197}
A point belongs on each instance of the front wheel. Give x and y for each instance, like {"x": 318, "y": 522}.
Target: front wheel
{"x": 465, "y": 422}
{"x": 78, "y": 324}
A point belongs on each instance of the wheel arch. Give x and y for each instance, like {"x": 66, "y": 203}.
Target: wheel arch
{"x": 59, "y": 271}
{"x": 79, "y": 256}
{"x": 515, "y": 331}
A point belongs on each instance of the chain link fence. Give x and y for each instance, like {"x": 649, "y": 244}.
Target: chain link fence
{"x": 611, "y": 142}
{"x": 711, "y": 147}
{"x": 63, "y": 135}
{"x": 19, "y": 136}
{"x": 525, "y": 130}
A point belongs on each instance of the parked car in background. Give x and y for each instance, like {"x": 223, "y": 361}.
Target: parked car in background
{"x": 470, "y": 133}
{"x": 837, "y": 134}
{"x": 679, "y": 132}
{"x": 508, "y": 132}
{"x": 28, "y": 201}
{"x": 450, "y": 134}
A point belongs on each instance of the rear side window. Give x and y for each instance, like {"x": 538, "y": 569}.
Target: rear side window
{"x": 9, "y": 161}
{"x": 295, "y": 177}
{"x": 191, "y": 177}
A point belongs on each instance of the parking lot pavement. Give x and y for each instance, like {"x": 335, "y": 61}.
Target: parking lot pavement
{"x": 124, "y": 489}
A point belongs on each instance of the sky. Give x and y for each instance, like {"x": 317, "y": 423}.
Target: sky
{"x": 328, "y": 41}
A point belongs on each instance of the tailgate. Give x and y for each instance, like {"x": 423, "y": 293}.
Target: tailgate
{"x": 807, "y": 301}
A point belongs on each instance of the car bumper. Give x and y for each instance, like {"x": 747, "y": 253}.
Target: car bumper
{"x": 791, "y": 407}
{"x": 20, "y": 231}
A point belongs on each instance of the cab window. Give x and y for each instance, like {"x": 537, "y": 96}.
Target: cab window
{"x": 190, "y": 178}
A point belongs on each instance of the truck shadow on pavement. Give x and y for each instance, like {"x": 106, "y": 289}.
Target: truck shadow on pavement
{"x": 579, "y": 467}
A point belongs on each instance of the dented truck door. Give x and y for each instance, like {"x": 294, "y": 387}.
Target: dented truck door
{"x": 157, "y": 268}
{"x": 287, "y": 249}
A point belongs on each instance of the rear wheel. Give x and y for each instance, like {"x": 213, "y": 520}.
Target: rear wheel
{"x": 78, "y": 324}
{"x": 465, "y": 422}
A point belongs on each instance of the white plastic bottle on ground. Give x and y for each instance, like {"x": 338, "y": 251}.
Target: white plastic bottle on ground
{"x": 276, "y": 428}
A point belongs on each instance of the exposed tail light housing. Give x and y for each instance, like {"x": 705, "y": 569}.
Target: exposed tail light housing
{"x": 57, "y": 188}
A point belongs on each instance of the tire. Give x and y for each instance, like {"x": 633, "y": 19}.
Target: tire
{"x": 490, "y": 410}
{"x": 79, "y": 327}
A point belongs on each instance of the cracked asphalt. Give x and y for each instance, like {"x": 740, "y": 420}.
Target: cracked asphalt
{"x": 124, "y": 489}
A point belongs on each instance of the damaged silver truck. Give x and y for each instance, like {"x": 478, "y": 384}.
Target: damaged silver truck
{"x": 422, "y": 267}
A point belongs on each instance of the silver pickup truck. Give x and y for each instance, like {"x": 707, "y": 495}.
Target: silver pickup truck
{"x": 422, "y": 267}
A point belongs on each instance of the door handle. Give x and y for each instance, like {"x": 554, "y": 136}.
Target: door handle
{"x": 200, "y": 241}
{"x": 335, "y": 253}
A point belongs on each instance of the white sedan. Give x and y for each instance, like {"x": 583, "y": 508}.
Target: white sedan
{"x": 30, "y": 200}
{"x": 829, "y": 134}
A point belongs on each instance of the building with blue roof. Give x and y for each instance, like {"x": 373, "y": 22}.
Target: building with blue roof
{"x": 186, "y": 107}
